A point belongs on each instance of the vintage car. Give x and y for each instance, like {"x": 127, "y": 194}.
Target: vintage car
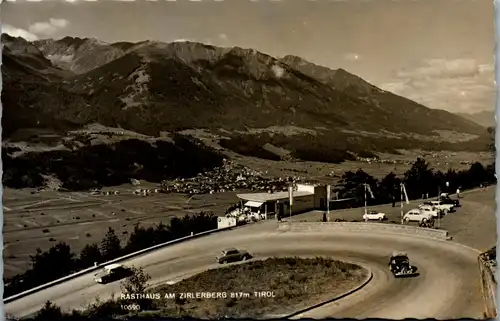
{"x": 416, "y": 215}
{"x": 399, "y": 265}
{"x": 433, "y": 211}
{"x": 112, "y": 272}
{"x": 232, "y": 255}
{"x": 442, "y": 206}
{"x": 450, "y": 201}
{"x": 374, "y": 215}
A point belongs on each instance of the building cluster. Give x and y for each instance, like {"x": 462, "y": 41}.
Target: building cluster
{"x": 97, "y": 191}
{"x": 373, "y": 160}
{"x": 138, "y": 191}
{"x": 228, "y": 177}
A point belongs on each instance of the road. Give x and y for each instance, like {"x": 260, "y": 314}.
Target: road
{"x": 447, "y": 288}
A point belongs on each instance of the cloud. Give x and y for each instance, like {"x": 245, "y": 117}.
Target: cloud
{"x": 48, "y": 28}
{"x": 18, "y": 32}
{"x": 223, "y": 37}
{"x": 181, "y": 40}
{"x": 352, "y": 56}
{"x": 456, "y": 85}
{"x": 443, "y": 68}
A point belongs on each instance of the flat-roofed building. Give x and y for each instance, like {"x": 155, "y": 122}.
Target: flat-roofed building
{"x": 305, "y": 198}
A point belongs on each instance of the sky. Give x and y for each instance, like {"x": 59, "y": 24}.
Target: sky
{"x": 439, "y": 53}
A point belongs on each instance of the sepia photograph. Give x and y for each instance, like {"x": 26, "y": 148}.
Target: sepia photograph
{"x": 248, "y": 159}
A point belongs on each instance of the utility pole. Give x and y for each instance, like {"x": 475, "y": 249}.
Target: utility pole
{"x": 439, "y": 199}
{"x": 402, "y": 196}
{"x": 365, "y": 199}
{"x": 328, "y": 192}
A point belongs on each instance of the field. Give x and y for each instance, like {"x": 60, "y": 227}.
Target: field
{"x": 392, "y": 163}
{"x": 79, "y": 218}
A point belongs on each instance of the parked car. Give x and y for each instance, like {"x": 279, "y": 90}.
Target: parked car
{"x": 448, "y": 200}
{"x": 430, "y": 210}
{"x": 440, "y": 210}
{"x": 399, "y": 265}
{"x": 446, "y": 208}
{"x": 415, "y": 215}
{"x": 232, "y": 255}
{"x": 374, "y": 215}
{"x": 112, "y": 272}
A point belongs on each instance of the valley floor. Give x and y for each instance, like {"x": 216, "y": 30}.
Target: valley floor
{"x": 397, "y": 164}
{"x": 79, "y": 218}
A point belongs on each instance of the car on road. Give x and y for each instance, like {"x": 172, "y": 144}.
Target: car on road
{"x": 112, "y": 272}
{"x": 232, "y": 255}
{"x": 399, "y": 265}
{"x": 430, "y": 210}
{"x": 416, "y": 215}
{"x": 374, "y": 216}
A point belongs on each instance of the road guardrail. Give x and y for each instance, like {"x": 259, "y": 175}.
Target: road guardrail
{"x": 364, "y": 227}
{"x": 119, "y": 259}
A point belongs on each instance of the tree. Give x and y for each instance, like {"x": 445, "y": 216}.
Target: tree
{"x": 44, "y": 267}
{"x": 452, "y": 177}
{"x": 162, "y": 234}
{"x": 491, "y": 145}
{"x": 389, "y": 188}
{"x": 476, "y": 175}
{"x": 176, "y": 228}
{"x": 419, "y": 179}
{"x": 138, "y": 282}
{"x": 49, "y": 312}
{"x": 103, "y": 310}
{"x": 140, "y": 238}
{"x": 90, "y": 254}
{"x": 353, "y": 185}
{"x": 110, "y": 245}
{"x": 490, "y": 170}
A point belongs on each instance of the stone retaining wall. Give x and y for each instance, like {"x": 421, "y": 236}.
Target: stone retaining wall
{"x": 364, "y": 227}
{"x": 488, "y": 288}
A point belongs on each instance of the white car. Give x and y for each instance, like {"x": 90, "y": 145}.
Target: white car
{"x": 442, "y": 206}
{"x": 374, "y": 215}
{"x": 429, "y": 210}
{"x": 416, "y": 215}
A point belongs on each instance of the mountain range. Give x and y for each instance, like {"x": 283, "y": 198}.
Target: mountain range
{"x": 245, "y": 98}
{"x": 484, "y": 118}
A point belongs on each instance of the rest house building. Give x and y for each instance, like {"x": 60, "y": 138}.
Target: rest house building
{"x": 305, "y": 198}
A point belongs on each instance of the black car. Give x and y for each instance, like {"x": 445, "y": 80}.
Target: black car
{"x": 399, "y": 265}
{"x": 233, "y": 255}
{"x": 447, "y": 200}
{"x": 112, "y": 272}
